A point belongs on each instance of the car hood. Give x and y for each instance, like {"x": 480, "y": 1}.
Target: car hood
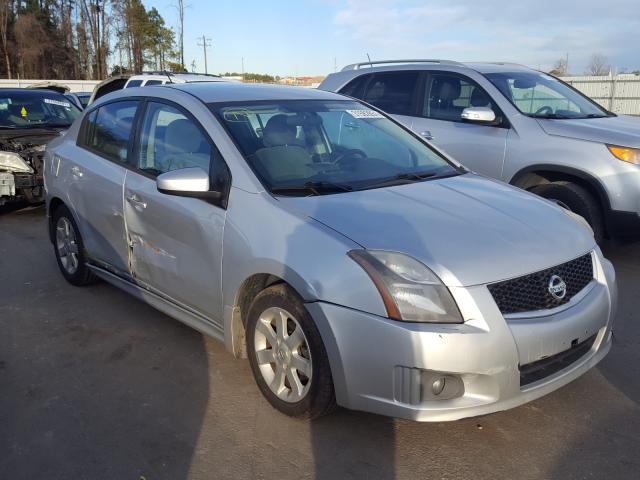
{"x": 468, "y": 229}
{"x": 621, "y": 130}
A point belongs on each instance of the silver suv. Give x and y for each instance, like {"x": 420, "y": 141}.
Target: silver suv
{"x": 352, "y": 263}
{"x": 515, "y": 124}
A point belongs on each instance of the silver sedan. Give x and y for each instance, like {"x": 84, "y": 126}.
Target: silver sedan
{"x": 352, "y": 262}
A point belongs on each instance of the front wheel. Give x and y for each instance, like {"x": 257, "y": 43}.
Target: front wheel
{"x": 577, "y": 199}
{"x": 287, "y": 356}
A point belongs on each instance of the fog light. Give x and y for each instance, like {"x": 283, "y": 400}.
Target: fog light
{"x": 437, "y": 387}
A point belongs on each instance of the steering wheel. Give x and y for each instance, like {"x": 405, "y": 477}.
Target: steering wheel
{"x": 543, "y": 110}
{"x": 349, "y": 153}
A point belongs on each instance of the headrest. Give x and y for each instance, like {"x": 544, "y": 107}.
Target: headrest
{"x": 278, "y": 132}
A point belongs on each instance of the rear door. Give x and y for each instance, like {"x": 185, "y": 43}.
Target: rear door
{"x": 176, "y": 242}
{"x": 95, "y": 178}
{"x": 478, "y": 147}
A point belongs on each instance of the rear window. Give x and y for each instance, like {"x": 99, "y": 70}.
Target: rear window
{"x": 106, "y": 131}
{"x": 393, "y": 92}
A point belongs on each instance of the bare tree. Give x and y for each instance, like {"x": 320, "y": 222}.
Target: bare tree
{"x": 180, "y": 8}
{"x": 560, "y": 68}
{"x": 5, "y": 12}
{"x": 598, "y": 65}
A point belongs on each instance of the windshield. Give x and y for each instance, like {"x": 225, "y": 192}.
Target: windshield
{"x": 543, "y": 96}
{"x": 302, "y": 147}
{"x": 27, "y": 109}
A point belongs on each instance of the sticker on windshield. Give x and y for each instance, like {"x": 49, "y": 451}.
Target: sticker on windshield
{"x": 364, "y": 114}
{"x": 57, "y": 102}
{"x": 23, "y": 112}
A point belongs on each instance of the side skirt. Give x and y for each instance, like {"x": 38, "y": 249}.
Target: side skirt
{"x": 195, "y": 321}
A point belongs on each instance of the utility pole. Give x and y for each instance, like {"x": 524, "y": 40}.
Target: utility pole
{"x": 206, "y": 42}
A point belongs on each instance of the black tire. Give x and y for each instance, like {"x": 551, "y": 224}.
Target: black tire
{"x": 578, "y": 200}
{"x": 82, "y": 275}
{"x": 320, "y": 397}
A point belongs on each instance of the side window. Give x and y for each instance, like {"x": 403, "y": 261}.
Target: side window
{"x": 153, "y": 82}
{"x": 108, "y": 129}
{"x": 448, "y": 95}
{"x": 392, "y": 92}
{"x": 134, "y": 83}
{"x": 169, "y": 140}
{"x": 355, "y": 88}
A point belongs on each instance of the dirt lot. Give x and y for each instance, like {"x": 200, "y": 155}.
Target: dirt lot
{"x": 95, "y": 385}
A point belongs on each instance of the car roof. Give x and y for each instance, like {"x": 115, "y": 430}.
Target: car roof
{"x": 393, "y": 65}
{"x": 238, "y": 92}
{"x": 178, "y": 77}
{"x": 36, "y": 92}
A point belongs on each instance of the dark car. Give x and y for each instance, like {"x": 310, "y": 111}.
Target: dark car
{"x": 29, "y": 118}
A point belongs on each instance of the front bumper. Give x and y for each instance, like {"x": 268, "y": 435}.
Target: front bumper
{"x": 376, "y": 363}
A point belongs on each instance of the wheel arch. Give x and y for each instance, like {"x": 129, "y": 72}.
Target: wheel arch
{"x": 546, "y": 173}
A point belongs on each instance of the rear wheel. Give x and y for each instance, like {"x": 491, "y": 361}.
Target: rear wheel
{"x": 287, "y": 356}
{"x": 69, "y": 249}
{"x": 577, "y": 199}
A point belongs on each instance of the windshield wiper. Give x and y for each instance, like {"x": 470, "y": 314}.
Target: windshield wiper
{"x": 400, "y": 179}
{"x": 314, "y": 188}
{"x": 554, "y": 116}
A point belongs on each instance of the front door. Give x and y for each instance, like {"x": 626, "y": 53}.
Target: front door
{"x": 478, "y": 147}
{"x": 176, "y": 242}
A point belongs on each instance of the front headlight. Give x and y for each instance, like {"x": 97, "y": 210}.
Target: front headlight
{"x": 626, "y": 154}
{"x": 14, "y": 163}
{"x": 409, "y": 290}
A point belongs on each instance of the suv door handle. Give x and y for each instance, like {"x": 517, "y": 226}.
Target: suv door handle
{"x": 426, "y": 135}
{"x": 136, "y": 202}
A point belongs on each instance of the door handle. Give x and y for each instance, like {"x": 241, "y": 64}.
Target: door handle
{"x": 136, "y": 202}
{"x": 426, "y": 135}
{"x": 76, "y": 172}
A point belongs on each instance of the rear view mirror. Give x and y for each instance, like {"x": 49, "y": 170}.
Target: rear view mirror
{"x": 479, "y": 115}
{"x": 186, "y": 182}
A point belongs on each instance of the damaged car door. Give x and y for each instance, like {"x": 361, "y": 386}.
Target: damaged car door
{"x": 175, "y": 241}
{"x": 95, "y": 181}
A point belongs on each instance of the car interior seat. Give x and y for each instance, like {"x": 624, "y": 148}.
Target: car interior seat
{"x": 184, "y": 147}
{"x": 282, "y": 158}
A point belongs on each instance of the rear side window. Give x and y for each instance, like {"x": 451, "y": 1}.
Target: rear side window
{"x": 134, "y": 83}
{"x": 107, "y": 130}
{"x": 153, "y": 82}
{"x": 448, "y": 95}
{"x": 392, "y": 92}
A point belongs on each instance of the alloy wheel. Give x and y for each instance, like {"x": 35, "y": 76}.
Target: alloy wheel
{"x": 283, "y": 355}
{"x": 67, "y": 245}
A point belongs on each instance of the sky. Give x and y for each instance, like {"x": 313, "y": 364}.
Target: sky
{"x": 314, "y": 37}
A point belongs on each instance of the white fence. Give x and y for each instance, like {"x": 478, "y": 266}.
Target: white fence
{"x": 74, "y": 85}
{"x": 617, "y": 93}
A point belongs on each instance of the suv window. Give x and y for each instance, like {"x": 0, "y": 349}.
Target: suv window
{"x": 169, "y": 140}
{"x": 393, "y": 92}
{"x": 107, "y": 129}
{"x": 134, "y": 83}
{"x": 153, "y": 82}
{"x": 448, "y": 95}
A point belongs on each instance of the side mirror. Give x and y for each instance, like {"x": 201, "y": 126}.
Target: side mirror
{"x": 479, "y": 115}
{"x": 186, "y": 182}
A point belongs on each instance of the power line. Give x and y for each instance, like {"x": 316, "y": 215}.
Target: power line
{"x": 204, "y": 42}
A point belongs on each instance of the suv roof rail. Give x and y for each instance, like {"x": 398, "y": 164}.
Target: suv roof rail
{"x": 170, "y": 74}
{"x": 357, "y": 66}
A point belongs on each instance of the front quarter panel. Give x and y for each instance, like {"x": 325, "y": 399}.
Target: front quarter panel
{"x": 261, "y": 236}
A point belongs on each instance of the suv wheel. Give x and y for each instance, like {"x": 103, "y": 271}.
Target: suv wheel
{"x": 287, "y": 356}
{"x": 69, "y": 249}
{"x": 577, "y": 199}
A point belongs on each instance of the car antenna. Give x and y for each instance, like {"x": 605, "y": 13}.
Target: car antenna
{"x": 369, "y": 58}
